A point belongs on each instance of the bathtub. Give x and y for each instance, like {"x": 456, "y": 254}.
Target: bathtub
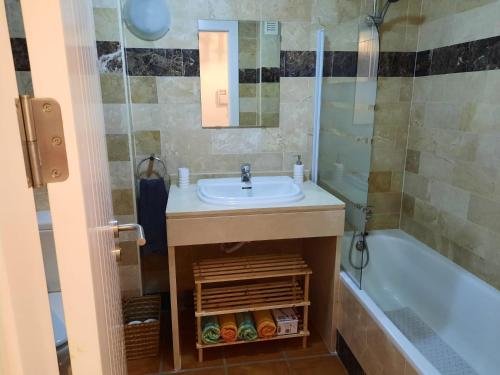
{"x": 440, "y": 317}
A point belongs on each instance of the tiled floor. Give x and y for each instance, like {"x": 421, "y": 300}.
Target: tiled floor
{"x": 271, "y": 358}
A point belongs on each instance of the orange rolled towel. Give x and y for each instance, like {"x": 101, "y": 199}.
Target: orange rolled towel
{"x": 265, "y": 323}
{"x": 228, "y": 327}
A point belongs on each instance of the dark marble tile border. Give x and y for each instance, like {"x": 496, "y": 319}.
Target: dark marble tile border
{"x": 109, "y": 57}
{"x": 20, "y": 54}
{"x": 298, "y": 64}
{"x": 347, "y": 357}
{"x": 478, "y": 55}
{"x": 265, "y": 75}
{"x": 396, "y": 64}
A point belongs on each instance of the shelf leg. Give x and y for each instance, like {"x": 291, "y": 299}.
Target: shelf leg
{"x": 173, "y": 308}
{"x": 198, "y": 321}
{"x": 306, "y": 310}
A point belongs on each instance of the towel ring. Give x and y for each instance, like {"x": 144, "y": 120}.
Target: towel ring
{"x": 151, "y": 160}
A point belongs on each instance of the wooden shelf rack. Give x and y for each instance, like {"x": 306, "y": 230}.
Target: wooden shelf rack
{"x": 274, "y": 285}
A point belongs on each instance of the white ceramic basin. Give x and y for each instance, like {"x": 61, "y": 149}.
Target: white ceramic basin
{"x": 230, "y": 192}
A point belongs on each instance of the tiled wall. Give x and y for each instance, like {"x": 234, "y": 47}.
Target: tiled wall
{"x": 452, "y": 181}
{"x": 166, "y": 104}
{"x": 118, "y": 138}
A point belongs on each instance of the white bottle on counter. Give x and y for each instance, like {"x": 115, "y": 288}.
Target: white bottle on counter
{"x": 298, "y": 171}
{"x": 338, "y": 170}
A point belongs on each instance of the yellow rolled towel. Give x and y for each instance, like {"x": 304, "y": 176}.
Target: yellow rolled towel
{"x": 265, "y": 323}
{"x": 228, "y": 327}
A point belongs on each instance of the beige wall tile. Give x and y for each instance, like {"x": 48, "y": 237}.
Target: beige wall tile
{"x": 116, "y": 118}
{"x": 143, "y": 89}
{"x": 118, "y": 147}
{"x": 147, "y": 142}
{"x": 123, "y": 201}
{"x": 106, "y": 24}
{"x": 484, "y": 212}
{"x": 112, "y": 88}
{"x": 121, "y": 174}
{"x": 129, "y": 253}
{"x": 129, "y": 280}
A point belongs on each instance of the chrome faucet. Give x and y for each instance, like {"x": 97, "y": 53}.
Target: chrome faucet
{"x": 246, "y": 175}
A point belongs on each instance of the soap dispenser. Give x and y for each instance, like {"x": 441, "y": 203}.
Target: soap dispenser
{"x": 298, "y": 171}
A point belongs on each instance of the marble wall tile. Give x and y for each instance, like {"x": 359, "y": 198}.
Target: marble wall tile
{"x": 129, "y": 253}
{"x": 105, "y": 3}
{"x": 118, "y": 147}
{"x": 129, "y": 280}
{"x": 380, "y": 182}
{"x": 298, "y": 63}
{"x": 110, "y": 57}
{"x": 116, "y": 118}
{"x": 24, "y": 83}
{"x": 449, "y": 198}
{"x": 20, "y": 54}
{"x": 123, "y": 201}
{"x": 180, "y": 90}
{"x": 416, "y": 186}
{"x": 112, "y": 88}
{"x": 14, "y": 18}
{"x": 484, "y": 212}
{"x": 143, "y": 89}
{"x": 121, "y": 174}
{"x": 106, "y": 24}
{"x": 412, "y": 161}
{"x": 154, "y": 62}
{"x": 147, "y": 142}
{"x": 190, "y": 63}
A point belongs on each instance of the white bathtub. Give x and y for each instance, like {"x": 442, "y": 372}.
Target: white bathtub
{"x": 446, "y": 312}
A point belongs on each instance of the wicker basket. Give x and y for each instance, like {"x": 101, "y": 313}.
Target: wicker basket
{"x": 142, "y": 340}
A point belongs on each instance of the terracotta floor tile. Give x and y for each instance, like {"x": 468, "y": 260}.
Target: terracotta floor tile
{"x": 143, "y": 366}
{"x": 211, "y": 357}
{"x": 315, "y": 346}
{"x": 212, "y": 371}
{"x": 273, "y": 368}
{"x": 330, "y": 365}
{"x": 262, "y": 351}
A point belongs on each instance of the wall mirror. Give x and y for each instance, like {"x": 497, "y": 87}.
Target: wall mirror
{"x": 239, "y": 73}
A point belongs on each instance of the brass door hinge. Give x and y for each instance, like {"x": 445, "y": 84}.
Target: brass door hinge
{"x": 42, "y": 135}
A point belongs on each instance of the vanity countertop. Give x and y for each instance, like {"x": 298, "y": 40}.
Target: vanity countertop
{"x": 185, "y": 203}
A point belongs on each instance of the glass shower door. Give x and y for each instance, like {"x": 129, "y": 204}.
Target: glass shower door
{"x": 345, "y": 140}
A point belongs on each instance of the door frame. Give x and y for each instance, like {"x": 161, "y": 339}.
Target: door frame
{"x": 63, "y": 58}
{"x": 27, "y": 343}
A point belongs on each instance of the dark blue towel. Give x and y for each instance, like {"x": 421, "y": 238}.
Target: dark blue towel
{"x": 151, "y": 207}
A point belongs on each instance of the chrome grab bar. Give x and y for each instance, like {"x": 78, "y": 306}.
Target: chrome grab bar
{"x": 117, "y": 228}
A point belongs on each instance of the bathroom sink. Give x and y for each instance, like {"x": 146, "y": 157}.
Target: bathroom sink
{"x": 265, "y": 190}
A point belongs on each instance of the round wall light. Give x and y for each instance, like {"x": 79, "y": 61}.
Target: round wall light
{"x": 147, "y": 19}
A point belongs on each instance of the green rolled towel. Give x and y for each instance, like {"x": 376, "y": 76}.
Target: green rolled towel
{"x": 246, "y": 326}
{"x": 210, "y": 332}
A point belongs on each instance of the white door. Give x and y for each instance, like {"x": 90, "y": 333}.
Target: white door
{"x": 62, "y": 49}
{"x": 26, "y": 338}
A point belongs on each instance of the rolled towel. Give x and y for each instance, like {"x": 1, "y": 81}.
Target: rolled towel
{"x": 246, "y": 327}
{"x": 265, "y": 323}
{"x": 210, "y": 330}
{"x": 228, "y": 327}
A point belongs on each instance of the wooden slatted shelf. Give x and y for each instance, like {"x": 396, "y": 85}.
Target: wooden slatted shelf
{"x": 238, "y": 342}
{"x": 249, "y": 268}
{"x": 261, "y": 296}
{"x": 264, "y": 295}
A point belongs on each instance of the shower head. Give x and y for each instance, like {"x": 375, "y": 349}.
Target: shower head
{"x": 378, "y": 19}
